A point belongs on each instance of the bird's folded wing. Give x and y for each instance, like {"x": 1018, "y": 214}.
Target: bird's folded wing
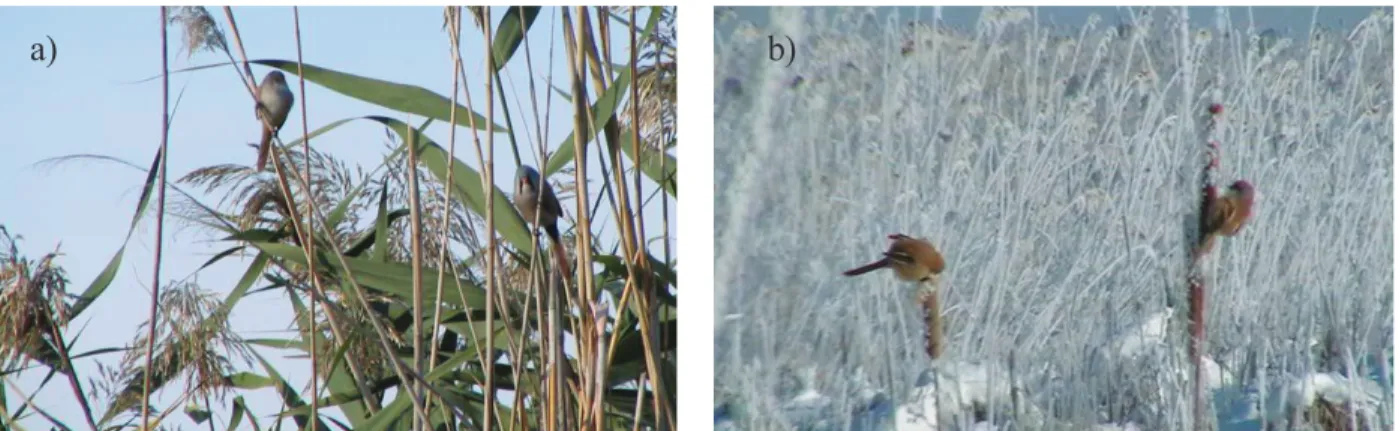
{"x": 899, "y": 256}
{"x": 1217, "y": 212}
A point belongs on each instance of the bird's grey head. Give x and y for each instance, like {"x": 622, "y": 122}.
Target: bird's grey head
{"x": 275, "y": 76}
{"x": 526, "y": 179}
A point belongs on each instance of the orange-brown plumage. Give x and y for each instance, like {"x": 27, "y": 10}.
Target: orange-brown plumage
{"x": 912, "y": 259}
{"x": 1224, "y": 215}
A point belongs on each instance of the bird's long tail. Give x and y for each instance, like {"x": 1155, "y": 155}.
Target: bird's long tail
{"x": 870, "y": 267}
{"x": 264, "y": 149}
{"x": 560, "y": 257}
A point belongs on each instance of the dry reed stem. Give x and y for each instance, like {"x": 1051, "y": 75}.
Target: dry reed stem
{"x": 160, "y": 212}
{"x": 317, "y": 295}
{"x": 1196, "y": 279}
{"x": 416, "y": 256}
{"x": 533, "y": 292}
{"x": 932, "y": 320}
{"x": 454, "y": 30}
{"x": 483, "y": 354}
{"x": 304, "y": 236}
{"x": 493, "y": 246}
{"x": 586, "y": 53}
{"x": 447, "y": 203}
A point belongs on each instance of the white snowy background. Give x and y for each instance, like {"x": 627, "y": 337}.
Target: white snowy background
{"x": 1058, "y": 172}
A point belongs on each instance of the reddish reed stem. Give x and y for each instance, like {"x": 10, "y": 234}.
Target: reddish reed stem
{"x": 1196, "y": 279}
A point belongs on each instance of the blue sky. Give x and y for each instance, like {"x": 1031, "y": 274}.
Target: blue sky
{"x": 89, "y": 101}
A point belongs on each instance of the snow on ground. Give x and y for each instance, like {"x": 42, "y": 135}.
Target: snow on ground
{"x": 1150, "y": 335}
{"x": 1366, "y": 396}
{"x": 952, "y": 391}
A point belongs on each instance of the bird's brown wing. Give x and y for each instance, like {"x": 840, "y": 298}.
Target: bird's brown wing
{"x": 1218, "y": 211}
{"x": 915, "y": 252}
{"x": 899, "y": 256}
{"x": 1234, "y": 217}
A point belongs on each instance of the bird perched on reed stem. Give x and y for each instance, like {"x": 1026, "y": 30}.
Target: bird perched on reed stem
{"x": 534, "y": 197}
{"x": 1224, "y": 215}
{"x": 274, "y": 101}
{"x": 912, "y": 259}
{"x": 916, "y": 260}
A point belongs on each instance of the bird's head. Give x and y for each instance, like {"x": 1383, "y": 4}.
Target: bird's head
{"x": 527, "y": 179}
{"x": 276, "y": 77}
{"x": 1243, "y": 189}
